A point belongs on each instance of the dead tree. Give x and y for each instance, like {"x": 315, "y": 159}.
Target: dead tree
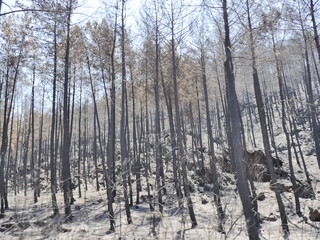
{"x": 237, "y": 154}
{"x": 66, "y": 175}
{"x": 213, "y": 162}
{"x": 263, "y": 122}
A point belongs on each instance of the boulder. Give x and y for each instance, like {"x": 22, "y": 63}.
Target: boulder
{"x": 258, "y": 167}
{"x": 314, "y": 215}
{"x": 259, "y": 172}
{"x": 257, "y": 156}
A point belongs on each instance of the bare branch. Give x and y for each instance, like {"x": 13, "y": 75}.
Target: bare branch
{"x": 31, "y": 10}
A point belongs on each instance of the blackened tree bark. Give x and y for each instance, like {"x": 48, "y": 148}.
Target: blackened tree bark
{"x": 9, "y": 169}
{"x": 315, "y": 26}
{"x": 96, "y": 125}
{"x": 80, "y": 152}
{"x": 25, "y": 154}
{"x": 33, "y": 182}
{"x": 217, "y": 197}
{"x": 315, "y": 127}
{"x": 112, "y": 132}
{"x": 200, "y": 148}
{"x": 40, "y": 150}
{"x": 175, "y": 162}
{"x": 249, "y": 117}
{"x": 237, "y": 153}
{"x": 159, "y": 167}
{"x": 129, "y": 153}
{"x": 263, "y": 122}
{"x": 15, "y": 164}
{"x": 9, "y": 96}
{"x": 283, "y": 99}
{"x": 53, "y": 169}
{"x": 123, "y": 143}
{"x": 193, "y": 139}
{"x": 66, "y": 175}
{"x": 178, "y": 118}
{"x": 147, "y": 144}
{"x": 94, "y": 150}
{"x": 85, "y": 147}
{"x": 136, "y": 155}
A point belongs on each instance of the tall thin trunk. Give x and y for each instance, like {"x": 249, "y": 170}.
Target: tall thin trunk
{"x": 237, "y": 153}
{"x": 136, "y": 155}
{"x": 38, "y": 171}
{"x": 146, "y": 148}
{"x": 85, "y": 147}
{"x": 25, "y": 154}
{"x": 66, "y": 175}
{"x": 315, "y": 127}
{"x": 94, "y": 150}
{"x": 6, "y": 117}
{"x": 19, "y": 126}
{"x": 97, "y": 124}
{"x": 281, "y": 82}
{"x": 9, "y": 163}
{"x": 123, "y": 143}
{"x": 80, "y": 152}
{"x": 157, "y": 130}
{"x": 33, "y": 182}
{"x": 213, "y": 162}
{"x": 175, "y": 162}
{"x": 200, "y": 148}
{"x": 111, "y": 178}
{"x": 178, "y": 128}
{"x": 53, "y": 169}
{"x": 263, "y": 123}
{"x": 315, "y": 26}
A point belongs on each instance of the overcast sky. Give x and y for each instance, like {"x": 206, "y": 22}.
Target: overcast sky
{"x": 89, "y": 9}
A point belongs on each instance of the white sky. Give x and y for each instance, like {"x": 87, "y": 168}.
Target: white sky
{"x": 89, "y": 9}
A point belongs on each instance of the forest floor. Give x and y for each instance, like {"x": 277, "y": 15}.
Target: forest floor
{"x": 28, "y": 220}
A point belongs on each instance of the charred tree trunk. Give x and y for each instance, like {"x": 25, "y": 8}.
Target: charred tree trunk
{"x": 175, "y": 163}
{"x": 263, "y": 123}
{"x": 217, "y": 197}
{"x": 38, "y": 170}
{"x": 178, "y": 127}
{"x": 66, "y": 175}
{"x": 157, "y": 130}
{"x": 283, "y": 115}
{"x": 123, "y": 143}
{"x": 315, "y": 127}
{"x": 237, "y": 153}
{"x": 80, "y": 152}
{"x": 9, "y": 96}
{"x": 200, "y": 148}
{"x": 33, "y": 182}
{"x": 53, "y": 163}
{"x": 111, "y": 178}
